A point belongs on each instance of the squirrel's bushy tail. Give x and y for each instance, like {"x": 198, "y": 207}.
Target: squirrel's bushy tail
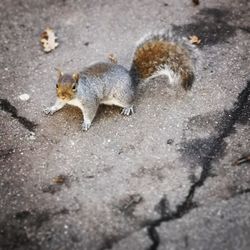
{"x": 164, "y": 54}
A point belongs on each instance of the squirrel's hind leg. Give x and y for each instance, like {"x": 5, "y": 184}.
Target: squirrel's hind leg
{"x": 128, "y": 108}
{"x": 128, "y": 111}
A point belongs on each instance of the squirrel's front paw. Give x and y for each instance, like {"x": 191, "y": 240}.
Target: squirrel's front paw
{"x": 128, "y": 111}
{"x": 86, "y": 125}
{"x": 48, "y": 111}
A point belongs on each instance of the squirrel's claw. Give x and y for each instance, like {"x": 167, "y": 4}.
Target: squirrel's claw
{"x": 48, "y": 111}
{"x": 86, "y": 125}
{"x": 128, "y": 111}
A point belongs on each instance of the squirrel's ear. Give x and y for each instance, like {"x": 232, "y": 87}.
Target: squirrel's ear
{"x": 76, "y": 77}
{"x": 59, "y": 72}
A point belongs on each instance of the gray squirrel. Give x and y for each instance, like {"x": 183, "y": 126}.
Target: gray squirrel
{"x": 112, "y": 84}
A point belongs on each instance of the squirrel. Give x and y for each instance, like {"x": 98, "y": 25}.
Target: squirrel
{"x": 112, "y": 84}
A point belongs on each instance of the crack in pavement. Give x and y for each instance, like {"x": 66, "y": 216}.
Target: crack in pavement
{"x": 206, "y": 156}
{"x": 244, "y": 191}
{"x": 226, "y": 127}
{"x": 245, "y": 28}
{"x": 6, "y": 106}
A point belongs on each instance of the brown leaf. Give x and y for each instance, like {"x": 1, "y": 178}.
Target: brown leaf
{"x": 48, "y": 40}
{"x": 60, "y": 179}
{"x": 112, "y": 58}
{"x": 194, "y": 40}
{"x": 242, "y": 160}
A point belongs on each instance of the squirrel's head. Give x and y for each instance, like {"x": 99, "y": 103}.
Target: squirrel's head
{"x": 66, "y": 85}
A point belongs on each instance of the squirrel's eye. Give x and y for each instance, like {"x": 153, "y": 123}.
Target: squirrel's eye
{"x": 57, "y": 86}
{"x": 74, "y": 87}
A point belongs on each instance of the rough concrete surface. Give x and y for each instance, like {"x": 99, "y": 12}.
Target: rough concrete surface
{"x": 162, "y": 178}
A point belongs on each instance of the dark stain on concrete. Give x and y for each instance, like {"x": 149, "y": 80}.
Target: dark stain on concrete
{"x": 206, "y": 122}
{"x": 6, "y": 153}
{"x": 41, "y": 218}
{"x": 192, "y": 178}
{"x": 14, "y": 228}
{"x": 245, "y": 114}
{"x": 163, "y": 207}
{"x": 6, "y": 106}
{"x": 51, "y": 188}
{"x": 109, "y": 241}
{"x": 211, "y": 25}
{"x": 199, "y": 150}
{"x": 245, "y": 28}
{"x": 14, "y": 236}
{"x": 212, "y": 148}
{"x": 244, "y": 191}
{"x": 22, "y": 215}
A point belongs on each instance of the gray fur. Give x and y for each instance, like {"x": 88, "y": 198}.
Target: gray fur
{"x": 115, "y": 83}
{"x": 113, "y": 87}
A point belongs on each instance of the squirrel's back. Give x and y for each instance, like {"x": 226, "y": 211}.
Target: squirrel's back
{"x": 164, "y": 54}
{"x": 105, "y": 80}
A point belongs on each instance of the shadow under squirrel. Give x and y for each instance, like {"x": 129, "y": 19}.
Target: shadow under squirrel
{"x": 112, "y": 84}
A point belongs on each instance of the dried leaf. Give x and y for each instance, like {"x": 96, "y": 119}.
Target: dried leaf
{"x": 242, "y": 160}
{"x": 112, "y": 58}
{"x": 194, "y": 40}
{"x": 48, "y": 40}
{"x": 60, "y": 179}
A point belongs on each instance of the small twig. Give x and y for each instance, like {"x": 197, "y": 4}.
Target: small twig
{"x": 112, "y": 58}
{"x": 242, "y": 160}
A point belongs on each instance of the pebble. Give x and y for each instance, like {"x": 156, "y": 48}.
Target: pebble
{"x": 24, "y": 97}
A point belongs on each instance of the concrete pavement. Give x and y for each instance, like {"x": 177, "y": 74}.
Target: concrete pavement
{"x": 162, "y": 178}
